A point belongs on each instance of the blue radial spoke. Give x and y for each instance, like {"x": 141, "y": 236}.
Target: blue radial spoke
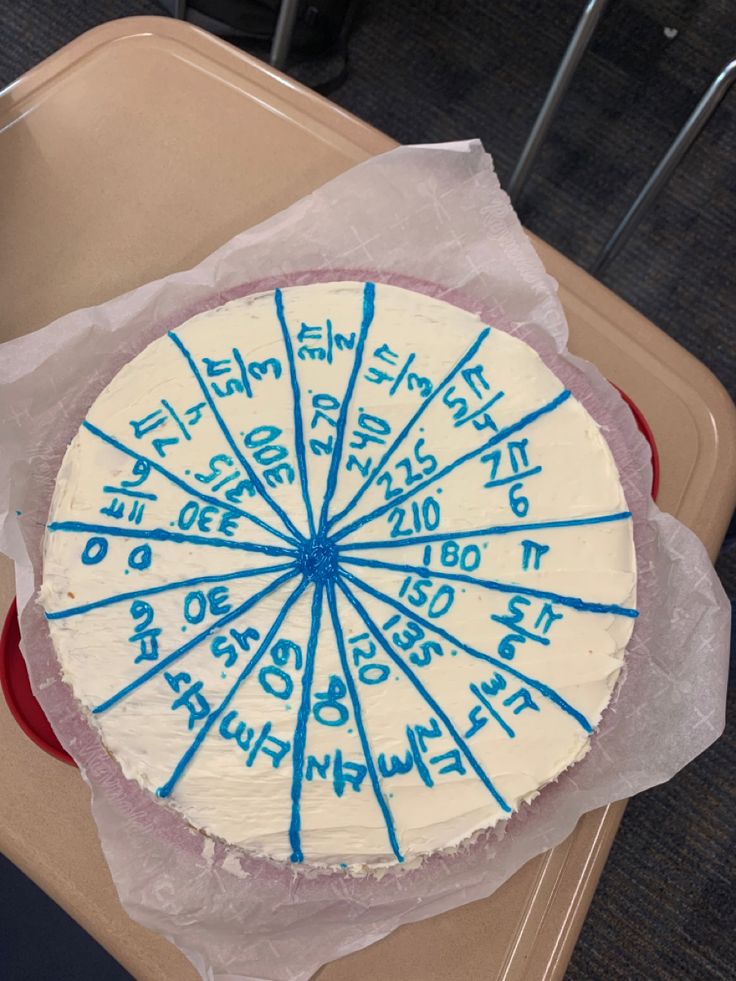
{"x": 166, "y": 588}
{"x": 300, "y": 732}
{"x": 433, "y": 704}
{"x": 298, "y": 422}
{"x": 538, "y": 686}
{"x": 252, "y": 475}
{"x": 481, "y": 532}
{"x": 194, "y": 642}
{"x": 161, "y": 535}
{"x": 502, "y": 587}
{"x": 358, "y": 716}
{"x": 503, "y": 434}
{"x": 168, "y": 787}
{"x": 470, "y": 353}
{"x": 369, "y": 298}
{"x": 208, "y": 498}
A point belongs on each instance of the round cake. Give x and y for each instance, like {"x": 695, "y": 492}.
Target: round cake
{"x": 341, "y": 573}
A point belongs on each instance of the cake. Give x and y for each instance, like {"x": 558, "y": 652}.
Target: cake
{"x": 340, "y": 573}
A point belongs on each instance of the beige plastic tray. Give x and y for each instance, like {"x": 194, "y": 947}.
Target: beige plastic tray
{"x": 136, "y": 151}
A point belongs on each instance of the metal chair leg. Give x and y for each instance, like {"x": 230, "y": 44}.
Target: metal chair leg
{"x": 666, "y": 166}
{"x": 575, "y": 50}
{"x": 283, "y": 33}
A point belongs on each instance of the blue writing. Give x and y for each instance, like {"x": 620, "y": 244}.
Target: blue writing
{"x": 328, "y": 708}
{"x": 532, "y": 551}
{"x": 140, "y": 557}
{"x": 94, "y": 551}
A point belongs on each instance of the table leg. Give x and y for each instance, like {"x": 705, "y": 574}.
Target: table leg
{"x": 666, "y": 166}
{"x": 575, "y": 50}
{"x": 283, "y": 33}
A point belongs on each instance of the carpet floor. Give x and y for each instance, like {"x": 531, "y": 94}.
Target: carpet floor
{"x": 437, "y": 70}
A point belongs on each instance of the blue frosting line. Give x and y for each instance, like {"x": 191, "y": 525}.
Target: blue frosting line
{"x": 167, "y": 587}
{"x": 421, "y": 766}
{"x": 168, "y": 787}
{"x": 172, "y": 412}
{"x": 538, "y": 686}
{"x": 402, "y": 373}
{"x": 502, "y": 587}
{"x": 472, "y": 350}
{"x": 512, "y": 478}
{"x": 487, "y": 704}
{"x": 358, "y": 716}
{"x": 107, "y": 438}
{"x": 433, "y": 704}
{"x": 300, "y": 733}
{"x": 369, "y": 299}
{"x": 128, "y": 492}
{"x": 492, "y": 530}
{"x": 161, "y": 535}
{"x": 190, "y": 644}
{"x": 252, "y": 475}
{"x": 329, "y": 340}
{"x": 298, "y": 421}
{"x": 238, "y": 358}
{"x": 516, "y": 427}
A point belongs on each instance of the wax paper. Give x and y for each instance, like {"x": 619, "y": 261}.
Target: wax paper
{"x": 433, "y": 218}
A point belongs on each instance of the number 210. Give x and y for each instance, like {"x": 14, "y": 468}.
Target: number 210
{"x": 422, "y": 517}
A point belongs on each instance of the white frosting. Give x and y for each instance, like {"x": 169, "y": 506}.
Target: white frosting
{"x": 491, "y": 660}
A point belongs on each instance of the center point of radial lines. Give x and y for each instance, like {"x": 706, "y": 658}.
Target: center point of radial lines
{"x": 318, "y": 559}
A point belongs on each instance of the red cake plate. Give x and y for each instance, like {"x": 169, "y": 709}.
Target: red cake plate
{"x": 645, "y": 430}
{"x": 16, "y": 685}
{"x": 18, "y": 694}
